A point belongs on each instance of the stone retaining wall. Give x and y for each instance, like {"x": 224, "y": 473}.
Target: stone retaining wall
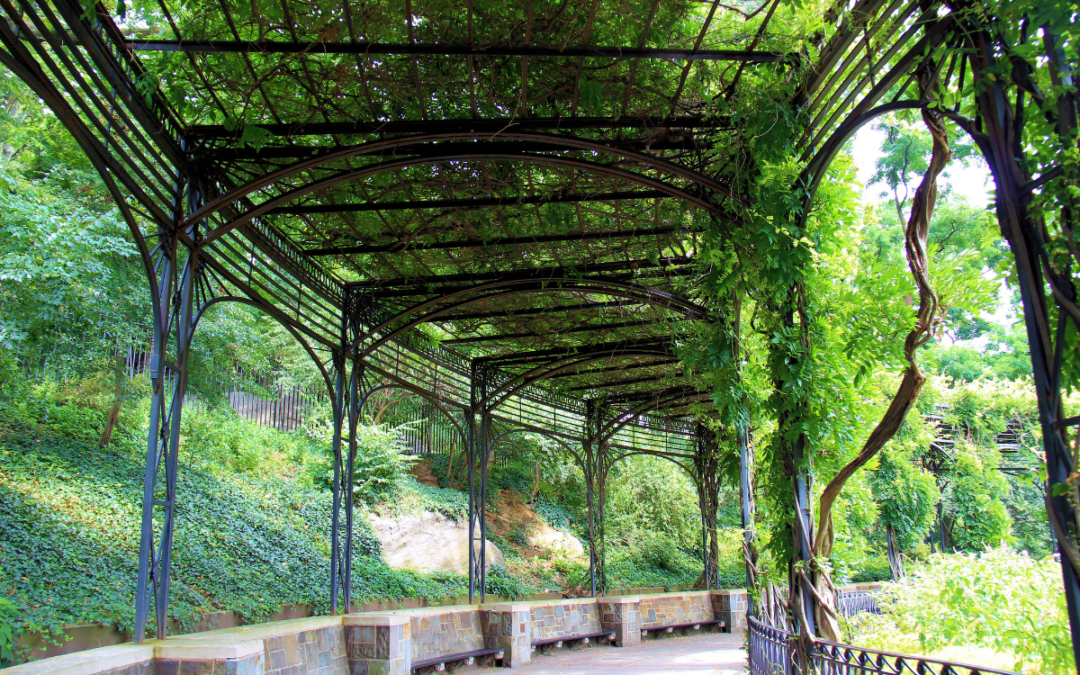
{"x": 389, "y": 642}
{"x": 450, "y": 630}
{"x": 672, "y": 609}
{"x": 564, "y": 618}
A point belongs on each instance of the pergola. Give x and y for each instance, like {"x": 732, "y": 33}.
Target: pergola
{"x": 527, "y": 183}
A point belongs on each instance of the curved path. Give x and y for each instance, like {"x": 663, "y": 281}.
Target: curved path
{"x": 708, "y": 653}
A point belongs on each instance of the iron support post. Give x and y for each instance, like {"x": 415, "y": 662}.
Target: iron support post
{"x": 595, "y": 469}
{"x": 339, "y": 487}
{"x": 174, "y": 317}
{"x": 477, "y": 457}
{"x": 746, "y": 499}
{"x": 803, "y": 533}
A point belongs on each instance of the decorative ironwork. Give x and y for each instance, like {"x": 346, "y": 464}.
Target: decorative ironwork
{"x": 772, "y": 652}
{"x": 849, "y": 603}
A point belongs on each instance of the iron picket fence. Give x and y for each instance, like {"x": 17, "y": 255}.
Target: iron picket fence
{"x": 773, "y": 652}
{"x": 850, "y": 603}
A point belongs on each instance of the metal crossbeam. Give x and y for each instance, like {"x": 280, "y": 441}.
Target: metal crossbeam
{"x": 513, "y": 336}
{"x": 404, "y": 49}
{"x": 480, "y": 126}
{"x": 540, "y": 273}
{"x": 479, "y": 202}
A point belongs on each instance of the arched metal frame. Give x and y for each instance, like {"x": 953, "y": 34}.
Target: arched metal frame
{"x": 70, "y": 77}
{"x": 382, "y": 332}
{"x": 998, "y": 135}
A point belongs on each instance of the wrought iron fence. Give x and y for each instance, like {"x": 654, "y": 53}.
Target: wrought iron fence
{"x": 850, "y": 603}
{"x": 773, "y": 652}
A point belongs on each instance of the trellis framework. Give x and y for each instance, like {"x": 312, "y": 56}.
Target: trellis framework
{"x": 359, "y": 171}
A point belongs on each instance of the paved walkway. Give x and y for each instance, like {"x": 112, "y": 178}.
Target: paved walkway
{"x": 705, "y": 654}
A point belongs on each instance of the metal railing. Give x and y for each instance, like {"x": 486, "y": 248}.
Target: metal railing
{"x": 773, "y": 652}
{"x": 850, "y": 603}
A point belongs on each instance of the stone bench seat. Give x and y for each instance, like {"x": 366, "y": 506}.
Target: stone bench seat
{"x": 610, "y": 634}
{"x": 694, "y": 624}
{"x": 440, "y": 661}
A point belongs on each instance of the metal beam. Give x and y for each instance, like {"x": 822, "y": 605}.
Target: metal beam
{"x": 506, "y": 314}
{"x": 604, "y": 347}
{"x": 540, "y": 273}
{"x": 233, "y": 153}
{"x": 608, "y": 369}
{"x": 470, "y": 203}
{"x": 482, "y": 126}
{"x": 405, "y": 245}
{"x": 406, "y": 49}
{"x": 620, "y": 383}
{"x": 655, "y": 394}
{"x": 580, "y": 329}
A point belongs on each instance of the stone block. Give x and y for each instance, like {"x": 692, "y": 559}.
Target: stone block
{"x": 508, "y": 626}
{"x": 378, "y": 644}
{"x": 621, "y": 616}
{"x": 730, "y": 606}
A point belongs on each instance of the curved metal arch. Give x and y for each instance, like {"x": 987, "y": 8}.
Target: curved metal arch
{"x": 292, "y": 331}
{"x": 393, "y": 165}
{"x": 435, "y": 401}
{"x": 516, "y": 430}
{"x": 555, "y": 366}
{"x": 651, "y": 453}
{"x": 934, "y": 36}
{"x": 405, "y": 142}
{"x": 815, "y": 170}
{"x": 612, "y": 288}
{"x": 609, "y": 429}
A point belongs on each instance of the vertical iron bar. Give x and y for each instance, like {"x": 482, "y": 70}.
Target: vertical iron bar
{"x": 354, "y": 420}
{"x": 746, "y": 497}
{"x": 335, "y": 544}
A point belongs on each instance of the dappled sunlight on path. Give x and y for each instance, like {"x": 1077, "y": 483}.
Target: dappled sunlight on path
{"x": 709, "y": 653}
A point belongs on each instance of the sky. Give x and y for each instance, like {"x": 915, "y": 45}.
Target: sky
{"x": 973, "y": 182}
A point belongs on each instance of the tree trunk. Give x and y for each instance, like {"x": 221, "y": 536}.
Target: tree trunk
{"x": 896, "y": 561}
{"x": 536, "y": 482}
{"x": 114, "y": 411}
{"x": 926, "y": 323}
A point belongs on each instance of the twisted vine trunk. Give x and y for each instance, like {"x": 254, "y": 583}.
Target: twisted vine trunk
{"x": 926, "y": 323}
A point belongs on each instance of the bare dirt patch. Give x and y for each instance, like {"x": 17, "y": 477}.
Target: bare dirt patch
{"x": 421, "y": 471}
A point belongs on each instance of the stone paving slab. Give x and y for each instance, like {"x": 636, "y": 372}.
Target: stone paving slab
{"x": 706, "y": 654}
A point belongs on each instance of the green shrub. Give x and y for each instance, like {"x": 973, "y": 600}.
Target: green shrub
{"x": 8, "y": 612}
{"x": 999, "y": 599}
{"x": 501, "y": 581}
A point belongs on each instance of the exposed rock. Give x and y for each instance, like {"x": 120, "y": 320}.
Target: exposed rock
{"x": 429, "y": 542}
{"x": 548, "y": 538}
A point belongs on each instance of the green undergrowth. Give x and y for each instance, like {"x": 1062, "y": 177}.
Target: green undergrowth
{"x": 1000, "y": 606}
{"x": 249, "y": 537}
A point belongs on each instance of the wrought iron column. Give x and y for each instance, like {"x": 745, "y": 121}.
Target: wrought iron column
{"x": 746, "y": 498}
{"x": 477, "y": 457}
{"x": 174, "y": 319}
{"x": 707, "y": 481}
{"x": 802, "y": 531}
{"x": 340, "y": 487}
{"x": 1000, "y": 138}
{"x": 595, "y": 456}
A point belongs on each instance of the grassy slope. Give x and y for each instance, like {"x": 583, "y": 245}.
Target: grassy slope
{"x": 249, "y": 542}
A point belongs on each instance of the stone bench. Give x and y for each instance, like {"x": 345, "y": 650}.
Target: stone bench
{"x": 439, "y": 662}
{"x": 695, "y": 625}
{"x": 583, "y": 638}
